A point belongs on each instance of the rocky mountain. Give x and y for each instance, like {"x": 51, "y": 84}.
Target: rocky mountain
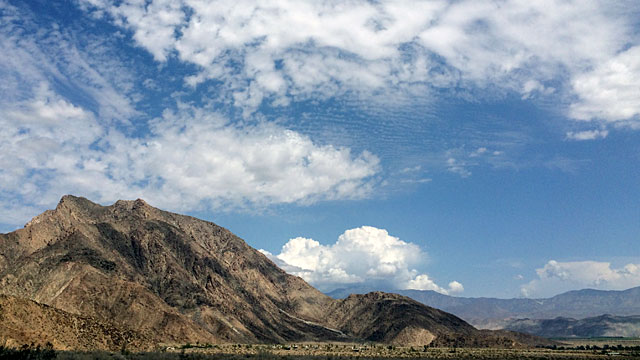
{"x": 178, "y": 279}
{"x": 599, "y": 326}
{"x": 491, "y": 313}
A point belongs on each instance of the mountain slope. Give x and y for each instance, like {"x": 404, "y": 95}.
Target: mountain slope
{"x": 187, "y": 280}
{"x": 25, "y": 322}
{"x": 174, "y": 275}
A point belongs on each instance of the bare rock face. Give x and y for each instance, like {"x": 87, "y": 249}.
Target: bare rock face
{"x": 180, "y": 279}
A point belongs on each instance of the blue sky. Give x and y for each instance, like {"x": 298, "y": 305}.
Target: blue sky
{"x": 475, "y": 148}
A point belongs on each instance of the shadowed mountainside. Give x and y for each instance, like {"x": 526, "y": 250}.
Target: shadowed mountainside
{"x": 181, "y": 279}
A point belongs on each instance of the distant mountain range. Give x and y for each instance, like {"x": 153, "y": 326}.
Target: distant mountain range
{"x": 599, "y": 326}
{"x": 492, "y": 313}
{"x": 86, "y": 276}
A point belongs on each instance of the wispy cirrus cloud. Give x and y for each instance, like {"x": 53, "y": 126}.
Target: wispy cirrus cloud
{"x": 31, "y": 56}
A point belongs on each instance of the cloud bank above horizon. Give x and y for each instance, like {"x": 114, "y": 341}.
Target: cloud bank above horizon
{"x": 364, "y": 257}
{"x": 557, "y": 277}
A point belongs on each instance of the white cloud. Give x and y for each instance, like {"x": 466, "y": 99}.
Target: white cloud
{"x": 154, "y": 23}
{"x": 192, "y": 158}
{"x": 423, "y": 282}
{"x": 200, "y": 157}
{"x": 189, "y": 158}
{"x": 478, "y": 152}
{"x": 461, "y": 161}
{"x": 455, "y": 287}
{"x": 533, "y": 86}
{"x": 458, "y": 167}
{"x": 587, "y": 135}
{"x": 30, "y": 56}
{"x": 41, "y": 136}
{"x": 610, "y": 92}
{"x": 365, "y": 255}
{"x": 276, "y": 50}
{"x": 556, "y": 277}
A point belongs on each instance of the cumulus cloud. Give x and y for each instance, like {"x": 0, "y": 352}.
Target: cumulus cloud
{"x": 363, "y": 256}
{"x": 192, "y": 158}
{"x": 610, "y": 92}
{"x": 556, "y": 277}
{"x": 197, "y": 154}
{"x": 279, "y": 50}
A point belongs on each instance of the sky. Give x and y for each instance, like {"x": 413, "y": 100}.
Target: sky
{"x": 474, "y": 148}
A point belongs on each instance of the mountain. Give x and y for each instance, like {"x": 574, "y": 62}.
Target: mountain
{"x": 599, "y": 326}
{"x": 494, "y": 313}
{"x": 179, "y": 279}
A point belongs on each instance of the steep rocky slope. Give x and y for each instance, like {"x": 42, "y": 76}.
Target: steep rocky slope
{"x": 187, "y": 280}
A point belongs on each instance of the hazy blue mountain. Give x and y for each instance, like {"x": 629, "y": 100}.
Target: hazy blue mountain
{"x": 599, "y": 326}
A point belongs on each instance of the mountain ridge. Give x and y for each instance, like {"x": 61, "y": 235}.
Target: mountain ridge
{"x": 187, "y": 280}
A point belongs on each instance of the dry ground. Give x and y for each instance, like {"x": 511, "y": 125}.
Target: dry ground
{"x": 341, "y": 350}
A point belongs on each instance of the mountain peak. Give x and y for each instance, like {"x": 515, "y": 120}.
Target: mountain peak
{"x": 82, "y": 202}
{"x": 68, "y": 204}
{"x": 137, "y": 203}
{"x": 80, "y": 207}
{"x": 76, "y": 206}
{"x": 72, "y": 201}
{"x": 138, "y": 208}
